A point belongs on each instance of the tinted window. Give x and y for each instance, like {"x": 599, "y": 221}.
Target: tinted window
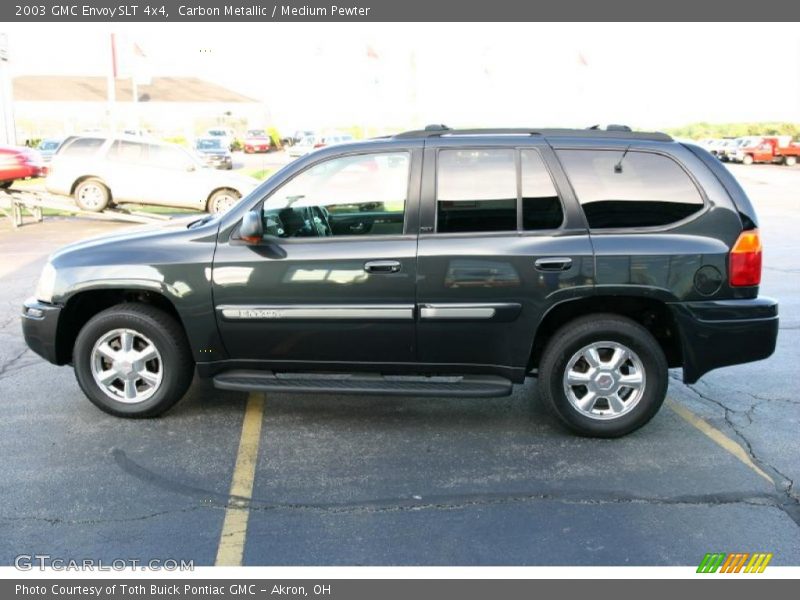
{"x": 351, "y": 195}
{"x": 476, "y": 190}
{"x": 639, "y": 189}
{"x": 541, "y": 207}
{"x": 82, "y": 147}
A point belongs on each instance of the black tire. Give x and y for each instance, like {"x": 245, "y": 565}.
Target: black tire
{"x": 169, "y": 339}
{"x": 92, "y": 195}
{"x": 578, "y": 334}
{"x": 6, "y": 184}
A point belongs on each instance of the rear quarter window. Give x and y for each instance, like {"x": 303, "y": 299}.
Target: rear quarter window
{"x": 618, "y": 188}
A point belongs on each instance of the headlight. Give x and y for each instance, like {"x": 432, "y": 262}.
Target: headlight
{"x": 47, "y": 284}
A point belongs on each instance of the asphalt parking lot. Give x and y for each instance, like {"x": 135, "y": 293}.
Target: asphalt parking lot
{"x": 372, "y": 480}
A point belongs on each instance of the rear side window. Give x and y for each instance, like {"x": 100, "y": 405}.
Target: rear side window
{"x": 541, "y": 207}
{"x": 476, "y": 190}
{"x": 630, "y": 188}
{"x": 128, "y": 152}
{"x": 81, "y": 147}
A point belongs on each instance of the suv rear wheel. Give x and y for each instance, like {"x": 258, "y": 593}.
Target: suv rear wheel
{"x": 133, "y": 360}
{"x": 603, "y": 375}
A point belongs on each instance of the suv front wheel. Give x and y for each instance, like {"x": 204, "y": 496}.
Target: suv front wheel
{"x": 603, "y": 375}
{"x": 133, "y": 360}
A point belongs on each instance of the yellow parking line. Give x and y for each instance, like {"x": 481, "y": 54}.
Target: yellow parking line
{"x": 718, "y": 437}
{"x": 234, "y": 528}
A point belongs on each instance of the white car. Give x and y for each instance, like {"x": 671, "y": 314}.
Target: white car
{"x": 311, "y": 143}
{"x": 102, "y": 171}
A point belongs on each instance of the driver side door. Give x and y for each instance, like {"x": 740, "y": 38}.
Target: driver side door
{"x": 333, "y": 280}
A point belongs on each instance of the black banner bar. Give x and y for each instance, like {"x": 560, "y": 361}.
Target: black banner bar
{"x": 154, "y": 11}
{"x": 731, "y": 588}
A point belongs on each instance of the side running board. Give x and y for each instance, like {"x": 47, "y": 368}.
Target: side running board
{"x": 473, "y": 386}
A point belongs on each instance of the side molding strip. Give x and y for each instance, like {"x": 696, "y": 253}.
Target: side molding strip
{"x": 318, "y": 311}
{"x": 463, "y": 311}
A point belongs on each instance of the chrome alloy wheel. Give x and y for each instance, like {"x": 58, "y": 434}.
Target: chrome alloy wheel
{"x": 127, "y": 366}
{"x": 604, "y": 380}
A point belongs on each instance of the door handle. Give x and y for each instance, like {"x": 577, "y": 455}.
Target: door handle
{"x": 554, "y": 263}
{"x": 382, "y": 266}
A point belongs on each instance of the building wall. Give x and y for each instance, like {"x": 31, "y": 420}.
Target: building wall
{"x": 165, "y": 119}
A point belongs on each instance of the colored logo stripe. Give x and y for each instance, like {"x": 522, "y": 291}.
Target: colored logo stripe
{"x": 734, "y": 562}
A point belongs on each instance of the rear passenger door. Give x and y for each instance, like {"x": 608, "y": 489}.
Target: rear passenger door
{"x": 501, "y": 241}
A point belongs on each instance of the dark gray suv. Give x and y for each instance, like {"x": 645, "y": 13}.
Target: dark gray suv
{"x": 430, "y": 263}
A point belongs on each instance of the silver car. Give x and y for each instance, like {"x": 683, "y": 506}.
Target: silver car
{"x": 101, "y": 171}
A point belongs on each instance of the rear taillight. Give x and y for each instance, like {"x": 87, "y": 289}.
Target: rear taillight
{"x": 745, "y": 259}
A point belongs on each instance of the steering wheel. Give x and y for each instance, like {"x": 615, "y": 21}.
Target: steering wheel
{"x": 323, "y": 214}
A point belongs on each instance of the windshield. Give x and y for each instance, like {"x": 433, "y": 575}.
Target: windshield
{"x": 209, "y": 144}
{"x": 48, "y": 145}
{"x": 217, "y": 132}
{"x": 256, "y": 133}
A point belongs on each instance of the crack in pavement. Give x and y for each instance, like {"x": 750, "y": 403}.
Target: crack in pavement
{"x": 5, "y": 368}
{"x": 62, "y": 521}
{"x": 213, "y": 499}
{"x": 783, "y": 483}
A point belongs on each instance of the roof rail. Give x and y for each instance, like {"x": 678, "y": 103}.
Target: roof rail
{"x": 611, "y": 131}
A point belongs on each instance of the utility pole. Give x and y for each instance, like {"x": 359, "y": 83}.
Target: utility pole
{"x": 8, "y": 131}
{"x": 111, "y": 86}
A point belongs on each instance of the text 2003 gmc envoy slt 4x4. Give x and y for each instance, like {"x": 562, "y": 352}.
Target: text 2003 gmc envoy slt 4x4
{"x": 431, "y": 263}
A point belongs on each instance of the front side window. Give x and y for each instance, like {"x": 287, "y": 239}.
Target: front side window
{"x": 476, "y": 190}
{"x": 362, "y": 194}
{"x": 170, "y": 157}
{"x": 630, "y": 188}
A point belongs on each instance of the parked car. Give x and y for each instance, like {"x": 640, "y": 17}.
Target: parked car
{"x": 310, "y": 144}
{"x": 728, "y": 145}
{"x": 732, "y": 151}
{"x": 214, "y": 153}
{"x": 102, "y": 171}
{"x": 297, "y": 137}
{"x": 257, "y": 140}
{"x": 19, "y": 163}
{"x": 47, "y": 148}
{"x": 768, "y": 149}
{"x": 594, "y": 260}
{"x": 223, "y": 133}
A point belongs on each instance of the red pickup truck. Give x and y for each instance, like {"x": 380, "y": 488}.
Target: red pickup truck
{"x": 769, "y": 149}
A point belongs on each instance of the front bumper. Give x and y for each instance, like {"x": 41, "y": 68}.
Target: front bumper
{"x": 719, "y": 333}
{"x": 39, "y": 326}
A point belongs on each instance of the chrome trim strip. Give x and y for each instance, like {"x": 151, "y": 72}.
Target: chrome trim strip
{"x": 461, "y": 311}
{"x": 318, "y": 311}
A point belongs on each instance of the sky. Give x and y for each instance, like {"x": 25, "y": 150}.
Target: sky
{"x": 313, "y": 75}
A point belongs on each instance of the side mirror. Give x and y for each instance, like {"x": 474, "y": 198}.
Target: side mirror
{"x": 252, "y": 228}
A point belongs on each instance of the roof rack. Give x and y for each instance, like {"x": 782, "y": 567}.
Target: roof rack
{"x": 611, "y": 131}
